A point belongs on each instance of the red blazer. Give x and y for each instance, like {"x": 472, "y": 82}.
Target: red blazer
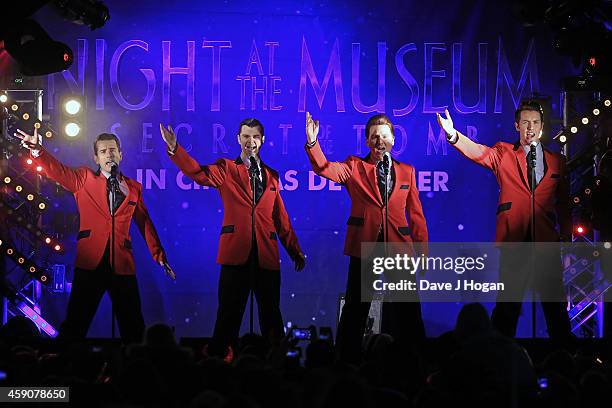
{"x": 89, "y": 189}
{"x": 552, "y": 205}
{"x": 367, "y": 217}
{"x": 271, "y": 221}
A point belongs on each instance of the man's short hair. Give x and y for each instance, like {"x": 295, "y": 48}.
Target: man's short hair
{"x": 380, "y": 119}
{"x": 251, "y": 122}
{"x": 106, "y": 136}
{"x": 528, "y": 105}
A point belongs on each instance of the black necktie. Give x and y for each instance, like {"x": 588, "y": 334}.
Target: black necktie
{"x": 529, "y": 171}
{"x": 119, "y": 196}
{"x": 259, "y": 187}
{"x": 382, "y": 180}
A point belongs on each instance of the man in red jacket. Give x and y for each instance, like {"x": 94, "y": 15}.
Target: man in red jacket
{"x": 96, "y": 252}
{"x": 365, "y": 183}
{"x": 509, "y": 163}
{"x": 248, "y": 243}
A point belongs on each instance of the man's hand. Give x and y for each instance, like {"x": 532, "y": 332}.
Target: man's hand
{"x": 168, "y": 136}
{"x": 28, "y": 141}
{"x": 300, "y": 262}
{"x": 446, "y": 123}
{"x": 312, "y": 128}
{"x": 168, "y": 270}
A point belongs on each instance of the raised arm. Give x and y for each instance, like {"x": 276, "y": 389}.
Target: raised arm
{"x": 69, "y": 178}
{"x": 484, "y": 155}
{"x": 212, "y": 175}
{"x": 336, "y": 171}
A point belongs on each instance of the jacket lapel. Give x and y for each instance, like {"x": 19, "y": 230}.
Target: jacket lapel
{"x": 369, "y": 171}
{"x": 521, "y": 162}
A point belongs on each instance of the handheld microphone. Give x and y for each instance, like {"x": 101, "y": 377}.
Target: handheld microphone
{"x": 254, "y": 167}
{"x": 114, "y": 170}
{"x": 387, "y": 161}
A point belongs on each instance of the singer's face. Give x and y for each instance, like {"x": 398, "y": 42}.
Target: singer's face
{"x": 380, "y": 140}
{"x": 250, "y": 140}
{"x": 107, "y": 153}
{"x": 529, "y": 127}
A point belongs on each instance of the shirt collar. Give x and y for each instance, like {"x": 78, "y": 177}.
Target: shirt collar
{"x": 247, "y": 162}
{"x": 526, "y": 148}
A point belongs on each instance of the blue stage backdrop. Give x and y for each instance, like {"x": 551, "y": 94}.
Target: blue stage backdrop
{"x": 204, "y": 66}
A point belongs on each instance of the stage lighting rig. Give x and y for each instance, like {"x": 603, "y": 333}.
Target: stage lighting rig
{"x": 91, "y": 13}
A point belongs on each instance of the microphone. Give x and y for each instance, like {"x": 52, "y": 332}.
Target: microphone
{"x": 254, "y": 167}
{"x": 114, "y": 170}
{"x": 532, "y": 154}
{"x": 387, "y": 161}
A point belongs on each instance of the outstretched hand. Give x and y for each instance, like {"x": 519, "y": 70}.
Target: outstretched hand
{"x": 446, "y": 123}
{"x": 312, "y": 128}
{"x": 28, "y": 141}
{"x": 168, "y": 136}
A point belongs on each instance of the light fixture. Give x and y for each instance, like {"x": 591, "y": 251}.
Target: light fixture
{"x": 72, "y": 106}
{"x": 562, "y": 138}
{"x": 585, "y": 121}
{"x": 72, "y": 129}
{"x": 574, "y": 129}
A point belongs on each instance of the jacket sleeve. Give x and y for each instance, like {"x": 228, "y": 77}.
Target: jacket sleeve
{"x": 418, "y": 225}
{"x": 148, "y": 231}
{"x": 283, "y": 227}
{"x": 483, "y": 155}
{"x": 69, "y": 178}
{"x": 212, "y": 175}
{"x": 338, "y": 172}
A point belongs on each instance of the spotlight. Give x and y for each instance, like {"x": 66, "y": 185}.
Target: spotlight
{"x": 7, "y": 180}
{"x": 72, "y": 129}
{"x": 47, "y": 240}
{"x": 18, "y": 188}
{"x": 562, "y": 139}
{"x": 30, "y": 197}
{"x": 574, "y": 129}
{"x": 57, "y": 247}
{"x": 585, "y": 121}
{"x": 3, "y": 98}
{"x": 14, "y": 107}
{"x": 72, "y": 114}
{"x": 35, "y": 52}
{"x": 26, "y": 116}
{"x": 29, "y": 161}
{"x": 39, "y": 168}
{"x": 607, "y": 103}
{"x": 72, "y": 106}
{"x": 595, "y": 111}
{"x": 92, "y": 13}
{"x": 48, "y": 134}
{"x": 37, "y": 125}
{"x": 42, "y": 206}
{"x": 580, "y": 230}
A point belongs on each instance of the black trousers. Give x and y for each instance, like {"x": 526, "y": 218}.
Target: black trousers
{"x": 88, "y": 287}
{"x": 402, "y": 320}
{"x": 235, "y": 283}
{"x": 544, "y": 277}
